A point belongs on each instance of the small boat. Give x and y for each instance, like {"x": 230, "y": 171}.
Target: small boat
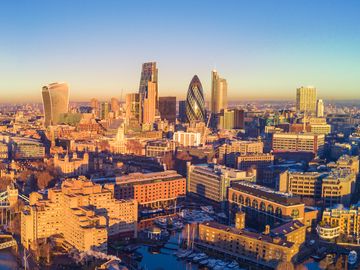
{"x": 221, "y": 263}
{"x": 184, "y": 254}
{"x": 192, "y": 255}
{"x": 233, "y": 264}
{"x": 211, "y": 263}
{"x": 200, "y": 257}
{"x": 204, "y": 262}
{"x": 352, "y": 257}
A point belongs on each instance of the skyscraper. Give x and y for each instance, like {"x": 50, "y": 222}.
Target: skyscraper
{"x": 149, "y": 104}
{"x": 167, "y": 108}
{"x": 115, "y": 106}
{"x": 104, "y": 110}
{"x": 94, "y": 103}
{"x": 133, "y": 109}
{"x": 195, "y": 103}
{"x": 182, "y": 111}
{"x": 306, "y": 99}
{"x": 149, "y": 83}
{"x": 56, "y": 102}
{"x": 218, "y": 93}
{"x": 320, "y": 108}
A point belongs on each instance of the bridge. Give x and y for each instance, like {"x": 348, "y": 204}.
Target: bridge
{"x": 7, "y": 241}
{"x": 8, "y": 199}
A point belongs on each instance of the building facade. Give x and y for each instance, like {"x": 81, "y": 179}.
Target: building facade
{"x": 187, "y": 138}
{"x": 306, "y": 99}
{"x": 167, "y": 108}
{"x": 56, "y": 102}
{"x": 195, "y": 102}
{"x": 218, "y": 93}
{"x": 83, "y": 213}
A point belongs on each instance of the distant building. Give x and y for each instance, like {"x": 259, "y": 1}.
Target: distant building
{"x": 195, "y": 102}
{"x": 211, "y": 182}
{"x": 95, "y": 105}
{"x": 218, "y": 93}
{"x": 115, "y": 106}
{"x": 182, "y": 111}
{"x": 187, "y": 138}
{"x": 4, "y": 151}
{"x": 150, "y": 190}
{"x": 228, "y": 152}
{"x": 74, "y": 166}
{"x": 104, "y": 110}
{"x": 306, "y": 99}
{"x": 298, "y": 142}
{"x": 159, "y": 148}
{"x": 167, "y": 108}
{"x": 83, "y": 213}
{"x": 56, "y": 102}
{"x": 257, "y": 161}
{"x": 26, "y": 148}
{"x": 320, "y": 108}
{"x": 148, "y": 91}
{"x": 133, "y": 109}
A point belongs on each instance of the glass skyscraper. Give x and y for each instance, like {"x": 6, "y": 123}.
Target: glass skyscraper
{"x": 56, "y": 102}
{"x": 195, "y": 103}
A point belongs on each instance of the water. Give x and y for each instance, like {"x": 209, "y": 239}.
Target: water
{"x": 7, "y": 260}
{"x": 165, "y": 259}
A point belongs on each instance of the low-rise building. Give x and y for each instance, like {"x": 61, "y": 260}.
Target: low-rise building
{"x": 338, "y": 187}
{"x": 339, "y": 221}
{"x": 72, "y": 166}
{"x": 211, "y": 182}
{"x": 187, "y": 138}
{"x": 158, "y": 148}
{"x": 26, "y": 148}
{"x": 150, "y": 190}
{"x": 4, "y": 151}
{"x": 267, "y": 248}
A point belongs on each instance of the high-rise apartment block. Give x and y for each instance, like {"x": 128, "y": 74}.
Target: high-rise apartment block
{"x": 306, "y": 99}
{"x": 320, "y": 108}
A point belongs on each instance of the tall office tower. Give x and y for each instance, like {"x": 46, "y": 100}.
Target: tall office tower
{"x": 218, "y": 93}
{"x": 149, "y": 104}
{"x": 182, "y": 111}
{"x": 306, "y": 99}
{"x": 56, "y": 102}
{"x": 167, "y": 108}
{"x": 320, "y": 108}
{"x": 104, "y": 110}
{"x": 149, "y": 81}
{"x": 115, "y": 106}
{"x": 239, "y": 119}
{"x": 195, "y": 103}
{"x": 133, "y": 108}
{"x": 95, "y": 105}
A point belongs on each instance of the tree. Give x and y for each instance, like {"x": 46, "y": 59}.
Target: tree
{"x": 43, "y": 179}
{"x": 4, "y": 182}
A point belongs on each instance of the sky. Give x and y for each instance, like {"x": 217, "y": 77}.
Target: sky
{"x": 264, "y": 48}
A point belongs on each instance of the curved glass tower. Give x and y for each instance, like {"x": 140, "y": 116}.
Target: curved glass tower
{"x": 56, "y": 102}
{"x": 195, "y": 103}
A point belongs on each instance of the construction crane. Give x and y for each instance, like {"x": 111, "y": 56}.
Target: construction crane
{"x": 206, "y": 130}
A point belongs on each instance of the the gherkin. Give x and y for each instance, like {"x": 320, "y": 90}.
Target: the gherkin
{"x": 195, "y": 102}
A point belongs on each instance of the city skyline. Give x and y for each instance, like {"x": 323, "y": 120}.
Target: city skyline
{"x": 265, "y": 49}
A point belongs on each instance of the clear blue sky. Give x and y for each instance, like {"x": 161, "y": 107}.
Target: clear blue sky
{"x": 265, "y": 49}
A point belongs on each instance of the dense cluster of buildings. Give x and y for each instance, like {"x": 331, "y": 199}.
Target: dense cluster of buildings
{"x": 275, "y": 173}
